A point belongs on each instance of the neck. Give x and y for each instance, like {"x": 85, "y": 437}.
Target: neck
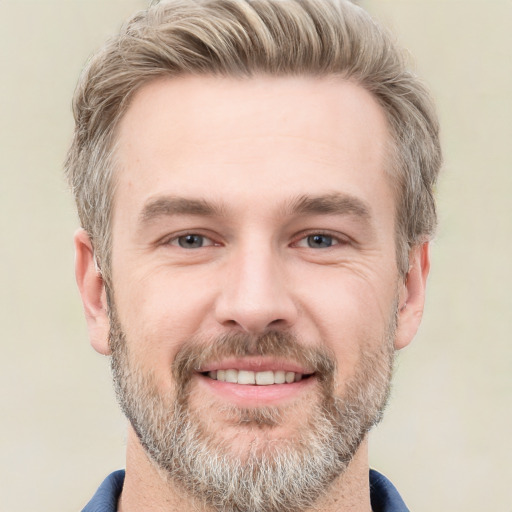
{"x": 147, "y": 488}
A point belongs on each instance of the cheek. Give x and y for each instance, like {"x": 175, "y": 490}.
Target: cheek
{"x": 350, "y": 315}
{"x": 157, "y": 316}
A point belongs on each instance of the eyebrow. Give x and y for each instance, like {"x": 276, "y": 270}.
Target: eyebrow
{"x": 169, "y": 205}
{"x": 330, "y": 204}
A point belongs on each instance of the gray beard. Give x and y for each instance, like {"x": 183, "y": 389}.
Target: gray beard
{"x": 276, "y": 476}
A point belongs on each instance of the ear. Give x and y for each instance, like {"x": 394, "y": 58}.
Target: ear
{"x": 92, "y": 290}
{"x": 412, "y": 295}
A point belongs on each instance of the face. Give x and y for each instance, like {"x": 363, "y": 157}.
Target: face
{"x": 255, "y": 292}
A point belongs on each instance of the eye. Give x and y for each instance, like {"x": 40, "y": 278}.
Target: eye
{"x": 318, "y": 241}
{"x": 191, "y": 241}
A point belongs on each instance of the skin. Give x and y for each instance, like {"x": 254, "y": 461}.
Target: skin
{"x": 251, "y": 148}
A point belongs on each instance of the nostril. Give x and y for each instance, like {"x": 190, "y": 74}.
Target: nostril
{"x": 280, "y": 322}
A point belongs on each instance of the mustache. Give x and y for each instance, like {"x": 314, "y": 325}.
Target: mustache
{"x": 280, "y": 344}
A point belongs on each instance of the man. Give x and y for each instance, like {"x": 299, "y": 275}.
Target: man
{"x": 254, "y": 181}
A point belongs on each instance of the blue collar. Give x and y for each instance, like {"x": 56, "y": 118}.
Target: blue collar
{"x": 383, "y": 494}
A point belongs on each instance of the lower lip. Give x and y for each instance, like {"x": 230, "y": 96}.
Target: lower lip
{"x": 246, "y": 395}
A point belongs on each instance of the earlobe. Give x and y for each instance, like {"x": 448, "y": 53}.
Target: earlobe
{"x": 412, "y": 295}
{"x": 92, "y": 290}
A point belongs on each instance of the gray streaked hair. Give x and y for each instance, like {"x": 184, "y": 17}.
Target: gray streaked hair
{"x": 242, "y": 38}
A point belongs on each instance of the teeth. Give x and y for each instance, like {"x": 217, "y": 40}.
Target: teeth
{"x": 265, "y": 378}
{"x": 231, "y": 376}
{"x": 279, "y": 377}
{"x": 246, "y": 377}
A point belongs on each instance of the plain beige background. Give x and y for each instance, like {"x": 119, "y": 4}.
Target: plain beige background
{"x": 445, "y": 441}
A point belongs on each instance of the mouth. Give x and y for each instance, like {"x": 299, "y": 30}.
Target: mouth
{"x": 255, "y": 382}
{"x": 256, "y": 378}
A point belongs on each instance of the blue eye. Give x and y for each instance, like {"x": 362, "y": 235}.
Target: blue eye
{"x": 319, "y": 241}
{"x": 191, "y": 241}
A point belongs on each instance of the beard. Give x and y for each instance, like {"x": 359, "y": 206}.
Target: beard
{"x": 271, "y": 475}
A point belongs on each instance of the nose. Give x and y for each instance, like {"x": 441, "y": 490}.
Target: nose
{"x": 255, "y": 294}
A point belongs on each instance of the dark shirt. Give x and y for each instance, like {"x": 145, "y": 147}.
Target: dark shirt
{"x": 383, "y": 495}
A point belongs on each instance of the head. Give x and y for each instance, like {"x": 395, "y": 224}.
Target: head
{"x": 243, "y": 39}
{"x": 254, "y": 180}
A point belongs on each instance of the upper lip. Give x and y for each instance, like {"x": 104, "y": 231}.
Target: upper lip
{"x": 255, "y": 364}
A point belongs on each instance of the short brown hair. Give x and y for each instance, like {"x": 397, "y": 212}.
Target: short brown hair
{"x": 242, "y": 38}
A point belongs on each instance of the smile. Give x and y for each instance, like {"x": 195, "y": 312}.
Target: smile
{"x": 255, "y": 381}
{"x": 261, "y": 378}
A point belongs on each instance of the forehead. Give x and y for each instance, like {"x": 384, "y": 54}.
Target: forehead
{"x": 227, "y": 137}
